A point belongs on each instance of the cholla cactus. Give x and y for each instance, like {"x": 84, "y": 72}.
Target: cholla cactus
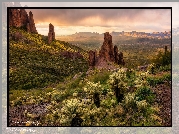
{"x": 119, "y": 83}
{"x": 94, "y": 91}
{"x": 141, "y": 80}
{"x": 119, "y": 79}
{"x": 141, "y": 104}
{"x": 71, "y": 109}
{"x": 129, "y": 99}
{"x": 70, "y": 106}
{"x": 151, "y": 68}
{"x": 93, "y": 87}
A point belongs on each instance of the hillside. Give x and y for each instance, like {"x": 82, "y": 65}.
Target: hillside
{"x": 54, "y": 83}
{"x": 35, "y": 63}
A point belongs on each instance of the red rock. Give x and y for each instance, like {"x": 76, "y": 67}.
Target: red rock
{"x": 92, "y": 58}
{"x": 14, "y": 18}
{"x": 107, "y": 49}
{"x": 51, "y": 34}
{"x": 121, "y": 60}
{"x": 20, "y": 18}
{"x": 107, "y": 54}
{"x": 23, "y": 17}
{"x": 31, "y": 25}
{"x": 116, "y": 57}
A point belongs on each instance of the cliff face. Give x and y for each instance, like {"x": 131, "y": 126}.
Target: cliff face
{"x": 20, "y": 18}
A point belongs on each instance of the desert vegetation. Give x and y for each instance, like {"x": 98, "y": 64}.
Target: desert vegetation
{"x": 47, "y": 88}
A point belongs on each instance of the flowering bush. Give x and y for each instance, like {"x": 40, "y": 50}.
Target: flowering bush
{"x": 129, "y": 100}
{"x": 122, "y": 81}
{"x": 92, "y": 87}
{"x": 119, "y": 79}
{"x": 141, "y": 79}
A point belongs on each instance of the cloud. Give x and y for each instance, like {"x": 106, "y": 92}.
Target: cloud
{"x": 69, "y": 21}
{"x": 102, "y": 17}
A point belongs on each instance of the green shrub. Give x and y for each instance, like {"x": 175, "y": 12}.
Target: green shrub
{"x": 154, "y": 80}
{"x": 144, "y": 93}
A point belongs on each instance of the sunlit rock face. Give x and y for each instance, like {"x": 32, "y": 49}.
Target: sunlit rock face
{"x": 107, "y": 49}
{"x": 20, "y": 18}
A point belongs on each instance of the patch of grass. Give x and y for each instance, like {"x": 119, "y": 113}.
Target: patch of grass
{"x": 102, "y": 76}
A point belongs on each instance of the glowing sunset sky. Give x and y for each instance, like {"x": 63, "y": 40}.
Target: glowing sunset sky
{"x": 70, "y": 21}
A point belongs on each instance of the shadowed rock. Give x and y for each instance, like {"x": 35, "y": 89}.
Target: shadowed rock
{"x": 116, "y": 57}
{"x": 92, "y": 58}
{"x": 31, "y": 25}
{"x": 120, "y": 59}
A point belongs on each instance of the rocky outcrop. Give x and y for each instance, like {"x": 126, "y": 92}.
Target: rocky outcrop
{"x": 120, "y": 59}
{"x": 51, "y": 34}
{"x": 14, "y": 18}
{"x": 107, "y": 54}
{"x": 92, "y": 58}
{"x": 116, "y": 56}
{"x": 20, "y": 18}
{"x": 31, "y": 25}
{"x": 107, "y": 49}
{"x": 23, "y": 17}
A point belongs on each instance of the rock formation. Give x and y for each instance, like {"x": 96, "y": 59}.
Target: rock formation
{"x": 23, "y": 17}
{"x": 14, "y": 18}
{"x": 31, "y": 25}
{"x": 51, "y": 34}
{"x": 116, "y": 56}
{"x": 20, "y": 18}
{"x": 108, "y": 53}
{"x": 120, "y": 59}
{"x": 92, "y": 58}
{"x": 107, "y": 49}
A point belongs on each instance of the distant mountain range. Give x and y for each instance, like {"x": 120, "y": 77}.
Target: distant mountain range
{"x": 158, "y": 35}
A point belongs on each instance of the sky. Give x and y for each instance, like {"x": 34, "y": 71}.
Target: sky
{"x": 70, "y": 21}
